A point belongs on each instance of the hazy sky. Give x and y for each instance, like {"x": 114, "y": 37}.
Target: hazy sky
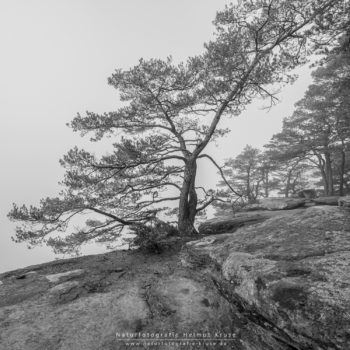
{"x": 55, "y": 58}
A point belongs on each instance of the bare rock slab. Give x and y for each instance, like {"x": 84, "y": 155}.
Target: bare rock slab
{"x": 292, "y": 269}
{"x": 279, "y": 284}
{"x": 331, "y": 200}
{"x": 54, "y": 278}
{"x": 281, "y": 203}
{"x": 344, "y": 202}
{"x": 228, "y": 224}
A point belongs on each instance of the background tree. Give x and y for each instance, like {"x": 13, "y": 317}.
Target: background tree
{"x": 318, "y": 131}
{"x": 170, "y": 114}
{"x": 248, "y": 177}
{"x": 290, "y": 171}
{"x": 246, "y": 174}
{"x": 270, "y": 182}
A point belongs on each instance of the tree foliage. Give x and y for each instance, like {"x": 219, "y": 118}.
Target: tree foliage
{"x": 249, "y": 174}
{"x": 318, "y": 132}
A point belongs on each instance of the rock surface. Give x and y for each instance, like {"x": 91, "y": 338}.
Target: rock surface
{"x": 344, "y": 202}
{"x": 331, "y": 200}
{"x": 252, "y": 207}
{"x": 294, "y": 273}
{"x": 229, "y": 224}
{"x": 119, "y": 293}
{"x": 69, "y": 274}
{"x": 280, "y": 203}
{"x": 280, "y": 284}
{"x": 307, "y": 193}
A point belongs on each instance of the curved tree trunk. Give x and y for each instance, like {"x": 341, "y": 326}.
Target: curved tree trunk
{"x": 188, "y": 200}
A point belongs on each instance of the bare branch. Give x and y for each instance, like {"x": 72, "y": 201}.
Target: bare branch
{"x": 221, "y": 173}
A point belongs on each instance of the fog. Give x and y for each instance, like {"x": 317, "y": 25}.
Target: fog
{"x": 55, "y": 60}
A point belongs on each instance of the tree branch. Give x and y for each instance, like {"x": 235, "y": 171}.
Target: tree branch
{"x": 221, "y": 173}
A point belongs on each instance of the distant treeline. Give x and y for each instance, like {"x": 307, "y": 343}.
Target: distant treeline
{"x": 311, "y": 151}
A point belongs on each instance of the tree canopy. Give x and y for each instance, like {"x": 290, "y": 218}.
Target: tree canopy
{"x": 249, "y": 177}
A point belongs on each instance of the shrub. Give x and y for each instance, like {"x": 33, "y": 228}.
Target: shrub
{"x": 155, "y": 238}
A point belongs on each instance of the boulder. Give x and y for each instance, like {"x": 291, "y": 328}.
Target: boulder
{"x": 281, "y": 203}
{"x": 228, "y": 224}
{"x": 307, "y": 193}
{"x": 344, "y": 202}
{"x": 290, "y": 272}
{"x": 252, "y": 207}
{"x": 63, "y": 292}
{"x": 330, "y": 200}
{"x": 64, "y": 275}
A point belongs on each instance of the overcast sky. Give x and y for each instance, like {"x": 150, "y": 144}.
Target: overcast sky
{"x": 55, "y": 58}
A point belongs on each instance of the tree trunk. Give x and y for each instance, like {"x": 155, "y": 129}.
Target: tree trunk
{"x": 325, "y": 182}
{"x": 188, "y": 200}
{"x": 329, "y": 174}
{"x": 287, "y": 189}
{"x": 266, "y": 183}
{"x": 342, "y": 171}
{"x": 322, "y": 168}
{"x": 248, "y": 189}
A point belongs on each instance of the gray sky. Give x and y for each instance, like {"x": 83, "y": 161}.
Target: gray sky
{"x": 55, "y": 58}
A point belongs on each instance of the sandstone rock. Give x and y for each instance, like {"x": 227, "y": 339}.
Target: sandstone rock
{"x": 54, "y": 278}
{"x": 228, "y": 224}
{"x": 33, "y": 273}
{"x": 252, "y": 207}
{"x": 331, "y": 200}
{"x": 292, "y": 269}
{"x": 344, "y": 202}
{"x": 307, "y": 193}
{"x": 279, "y": 284}
{"x": 63, "y": 287}
{"x": 154, "y": 296}
{"x": 246, "y": 269}
{"x": 281, "y": 203}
